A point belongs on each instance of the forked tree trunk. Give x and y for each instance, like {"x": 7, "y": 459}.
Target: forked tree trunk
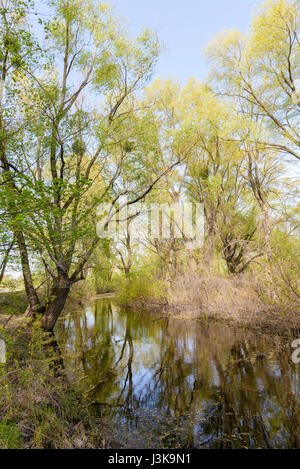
{"x": 33, "y": 299}
{"x": 58, "y": 296}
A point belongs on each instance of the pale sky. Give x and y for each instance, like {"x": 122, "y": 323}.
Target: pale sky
{"x": 185, "y": 27}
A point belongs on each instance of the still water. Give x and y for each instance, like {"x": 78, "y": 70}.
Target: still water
{"x": 161, "y": 382}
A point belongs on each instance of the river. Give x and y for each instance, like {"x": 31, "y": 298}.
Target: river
{"x": 165, "y": 382}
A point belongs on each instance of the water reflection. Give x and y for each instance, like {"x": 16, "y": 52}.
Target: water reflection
{"x": 170, "y": 383}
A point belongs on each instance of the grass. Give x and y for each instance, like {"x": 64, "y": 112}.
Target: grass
{"x": 242, "y": 299}
{"x": 39, "y": 408}
{"x": 13, "y": 302}
{"x": 10, "y": 435}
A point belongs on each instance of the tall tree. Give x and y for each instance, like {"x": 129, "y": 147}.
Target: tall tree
{"x": 262, "y": 69}
{"x": 74, "y": 111}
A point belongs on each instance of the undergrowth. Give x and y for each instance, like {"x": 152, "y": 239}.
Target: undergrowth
{"x": 39, "y": 408}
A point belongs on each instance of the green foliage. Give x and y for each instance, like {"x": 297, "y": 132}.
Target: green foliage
{"x": 13, "y": 302}
{"x": 79, "y": 128}
{"x": 141, "y": 284}
{"x": 286, "y": 251}
{"x": 10, "y": 435}
{"x": 38, "y": 407}
{"x": 221, "y": 143}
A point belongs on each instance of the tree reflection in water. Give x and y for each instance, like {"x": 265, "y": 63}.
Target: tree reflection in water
{"x": 166, "y": 382}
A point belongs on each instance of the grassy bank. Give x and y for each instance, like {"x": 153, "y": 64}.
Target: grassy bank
{"x": 42, "y": 407}
{"x": 241, "y": 299}
{"x": 39, "y": 407}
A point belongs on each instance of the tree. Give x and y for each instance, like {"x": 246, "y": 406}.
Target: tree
{"x": 17, "y": 55}
{"x": 261, "y": 70}
{"x": 172, "y": 133}
{"x": 69, "y": 145}
{"x": 214, "y": 175}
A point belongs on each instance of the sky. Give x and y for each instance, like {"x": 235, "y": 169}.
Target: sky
{"x": 185, "y": 27}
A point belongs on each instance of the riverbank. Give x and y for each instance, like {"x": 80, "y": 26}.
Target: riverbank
{"x": 43, "y": 405}
{"x": 165, "y": 382}
{"x": 269, "y": 320}
{"x": 237, "y": 300}
{"x": 40, "y": 406}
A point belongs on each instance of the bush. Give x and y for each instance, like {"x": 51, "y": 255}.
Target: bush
{"x": 139, "y": 285}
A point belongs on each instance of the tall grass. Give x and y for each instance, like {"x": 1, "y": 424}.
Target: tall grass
{"x": 38, "y": 407}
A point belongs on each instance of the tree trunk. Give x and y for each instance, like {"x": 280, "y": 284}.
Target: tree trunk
{"x": 269, "y": 271}
{"x": 59, "y": 293}
{"x": 267, "y": 230}
{"x": 5, "y": 260}
{"x": 33, "y": 299}
{"x": 209, "y": 245}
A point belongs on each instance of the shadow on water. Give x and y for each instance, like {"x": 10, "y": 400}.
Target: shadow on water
{"x": 171, "y": 383}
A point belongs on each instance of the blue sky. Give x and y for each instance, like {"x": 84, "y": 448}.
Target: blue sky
{"x": 185, "y": 27}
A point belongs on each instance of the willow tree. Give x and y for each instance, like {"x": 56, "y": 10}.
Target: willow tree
{"x": 73, "y": 106}
{"x": 170, "y": 134}
{"x": 191, "y": 124}
{"x": 214, "y": 176}
{"x": 262, "y": 69}
{"x": 19, "y": 53}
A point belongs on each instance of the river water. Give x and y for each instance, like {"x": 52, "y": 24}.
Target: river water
{"x": 160, "y": 382}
